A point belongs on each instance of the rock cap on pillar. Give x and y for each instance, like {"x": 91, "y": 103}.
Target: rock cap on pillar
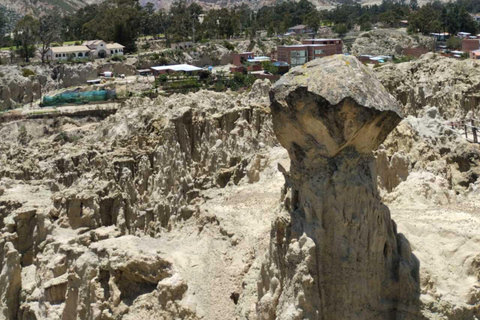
{"x": 330, "y": 104}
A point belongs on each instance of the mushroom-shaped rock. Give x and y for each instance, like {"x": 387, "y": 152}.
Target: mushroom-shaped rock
{"x": 335, "y": 252}
{"x": 330, "y": 104}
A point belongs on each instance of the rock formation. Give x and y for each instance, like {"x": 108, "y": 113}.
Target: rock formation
{"x": 164, "y": 210}
{"x": 89, "y": 226}
{"x": 335, "y": 252}
{"x": 15, "y": 89}
{"x": 450, "y": 85}
{"x": 388, "y": 42}
{"x": 426, "y": 155}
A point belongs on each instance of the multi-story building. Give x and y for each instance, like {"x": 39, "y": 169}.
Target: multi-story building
{"x": 242, "y": 57}
{"x": 296, "y": 55}
{"x": 470, "y": 44}
{"x": 333, "y": 45}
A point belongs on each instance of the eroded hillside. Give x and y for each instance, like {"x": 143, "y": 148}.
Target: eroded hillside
{"x": 171, "y": 207}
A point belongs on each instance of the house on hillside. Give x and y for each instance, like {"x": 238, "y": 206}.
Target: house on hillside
{"x": 300, "y": 29}
{"x": 90, "y": 49}
{"x": 115, "y": 49}
{"x": 469, "y": 45}
{"x": 464, "y": 34}
{"x": 182, "y": 68}
{"x": 242, "y": 57}
{"x": 181, "y": 45}
{"x": 67, "y": 52}
{"x": 296, "y": 55}
{"x": 440, "y": 36}
{"x": 101, "y": 49}
{"x": 475, "y": 54}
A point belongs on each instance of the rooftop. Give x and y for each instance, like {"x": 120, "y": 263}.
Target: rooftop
{"x": 177, "y": 67}
{"x": 303, "y": 45}
{"x": 114, "y": 46}
{"x": 322, "y": 39}
{"x": 259, "y": 59}
{"x": 298, "y": 27}
{"x": 69, "y": 49}
{"x": 92, "y": 42}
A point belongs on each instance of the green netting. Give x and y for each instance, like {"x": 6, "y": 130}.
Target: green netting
{"x": 72, "y": 97}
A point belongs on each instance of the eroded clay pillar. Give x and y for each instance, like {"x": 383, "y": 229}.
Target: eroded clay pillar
{"x": 335, "y": 252}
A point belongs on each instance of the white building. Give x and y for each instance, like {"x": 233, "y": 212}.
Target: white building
{"x": 67, "y": 52}
{"x": 101, "y": 49}
{"x": 89, "y": 49}
{"x": 115, "y": 49}
{"x": 98, "y": 48}
{"x": 186, "y": 68}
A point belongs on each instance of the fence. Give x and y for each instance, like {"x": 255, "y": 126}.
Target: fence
{"x": 471, "y": 128}
{"x": 76, "y": 97}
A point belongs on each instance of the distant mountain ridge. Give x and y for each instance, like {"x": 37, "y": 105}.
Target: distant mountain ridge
{"x": 36, "y": 7}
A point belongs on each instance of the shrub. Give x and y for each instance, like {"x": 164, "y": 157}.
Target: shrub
{"x": 162, "y": 78}
{"x": 228, "y": 45}
{"x": 219, "y": 87}
{"x": 27, "y": 72}
{"x": 269, "y": 67}
{"x": 155, "y": 56}
{"x": 340, "y": 29}
{"x": 118, "y": 57}
{"x": 403, "y": 59}
{"x": 454, "y": 43}
{"x": 366, "y": 26}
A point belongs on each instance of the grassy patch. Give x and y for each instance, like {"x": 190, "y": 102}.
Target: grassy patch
{"x": 27, "y": 72}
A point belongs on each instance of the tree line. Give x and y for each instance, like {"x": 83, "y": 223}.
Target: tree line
{"x": 124, "y": 21}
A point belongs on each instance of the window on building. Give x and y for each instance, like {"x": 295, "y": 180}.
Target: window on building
{"x": 111, "y": 51}
{"x": 319, "y": 52}
{"x": 80, "y": 54}
{"x": 64, "y": 55}
{"x": 116, "y": 51}
{"x": 298, "y": 57}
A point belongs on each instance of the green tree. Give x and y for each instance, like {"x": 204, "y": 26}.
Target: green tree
{"x": 48, "y": 32}
{"x": 454, "y": 43}
{"x": 3, "y": 24}
{"x": 340, "y": 29}
{"x": 390, "y": 18}
{"x": 312, "y": 20}
{"x": 413, "y": 4}
{"x": 269, "y": 67}
{"x": 161, "y": 22}
{"x": 425, "y": 20}
{"x": 25, "y": 35}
